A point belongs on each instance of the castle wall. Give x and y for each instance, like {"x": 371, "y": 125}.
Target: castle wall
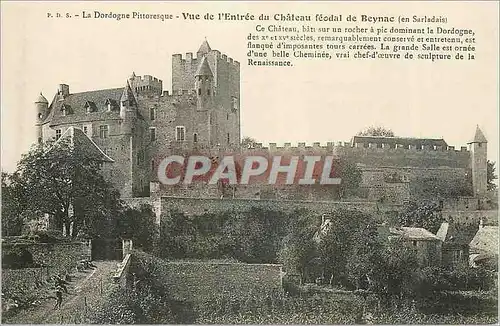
{"x": 198, "y": 206}
{"x": 408, "y": 157}
{"x": 469, "y": 217}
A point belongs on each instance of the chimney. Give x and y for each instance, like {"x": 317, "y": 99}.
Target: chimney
{"x": 63, "y": 90}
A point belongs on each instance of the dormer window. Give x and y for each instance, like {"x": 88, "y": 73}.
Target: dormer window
{"x": 90, "y": 107}
{"x": 110, "y": 104}
{"x": 65, "y": 109}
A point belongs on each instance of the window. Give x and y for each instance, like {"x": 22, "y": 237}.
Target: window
{"x": 195, "y": 137}
{"x": 228, "y": 138}
{"x": 227, "y": 116}
{"x": 58, "y": 133}
{"x": 235, "y": 103}
{"x": 208, "y": 91}
{"x": 180, "y": 133}
{"x": 414, "y": 243}
{"x": 199, "y": 91}
{"x": 103, "y": 131}
{"x": 152, "y": 114}
{"x": 87, "y": 129}
{"x": 152, "y": 134}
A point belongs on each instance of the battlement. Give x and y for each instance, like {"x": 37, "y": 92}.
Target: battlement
{"x": 181, "y": 95}
{"x": 146, "y": 83}
{"x": 357, "y": 147}
{"x": 189, "y": 58}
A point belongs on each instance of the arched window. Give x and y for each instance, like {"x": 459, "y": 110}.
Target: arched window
{"x": 195, "y": 137}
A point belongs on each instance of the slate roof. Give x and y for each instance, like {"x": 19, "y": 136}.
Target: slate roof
{"x": 456, "y": 234}
{"x": 81, "y": 142}
{"x": 204, "y": 68}
{"x": 77, "y": 102}
{"x": 399, "y": 140}
{"x": 205, "y": 47}
{"x": 485, "y": 241}
{"x": 479, "y": 136}
{"x": 412, "y": 233}
{"x": 41, "y": 99}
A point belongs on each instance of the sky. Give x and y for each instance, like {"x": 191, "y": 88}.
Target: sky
{"x": 314, "y": 101}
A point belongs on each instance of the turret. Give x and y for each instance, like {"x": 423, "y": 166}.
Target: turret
{"x": 479, "y": 163}
{"x": 203, "y": 84}
{"x": 128, "y": 109}
{"x": 204, "y": 49}
{"x": 42, "y": 110}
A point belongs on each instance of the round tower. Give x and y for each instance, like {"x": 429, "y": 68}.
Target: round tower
{"x": 42, "y": 110}
{"x": 479, "y": 163}
{"x": 204, "y": 85}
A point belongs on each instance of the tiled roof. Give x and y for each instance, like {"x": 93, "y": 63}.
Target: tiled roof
{"x": 79, "y": 101}
{"x": 204, "y": 68}
{"x": 41, "y": 99}
{"x": 81, "y": 142}
{"x": 479, "y": 136}
{"x": 413, "y": 233}
{"x": 456, "y": 234}
{"x": 485, "y": 241}
{"x": 205, "y": 47}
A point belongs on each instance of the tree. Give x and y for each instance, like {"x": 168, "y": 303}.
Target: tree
{"x": 248, "y": 142}
{"x": 297, "y": 247}
{"x": 59, "y": 179}
{"x": 426, "y": 215}
{"x": 138, "y": 224}
{"x": 350, "y": 176}
{"x": 490, "y": 175}
{"x": 376, "y": 131}
{"x": 13, "y": 204}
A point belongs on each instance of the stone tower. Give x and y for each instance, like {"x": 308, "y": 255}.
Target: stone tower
{"x": 479, "y": 163}
{"x": 203, "y": 85}
{"x": 128, "y": 110}
{"x": 42, "y": 110}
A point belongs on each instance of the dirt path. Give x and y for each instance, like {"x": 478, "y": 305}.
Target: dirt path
{"x": 85, "y": 292}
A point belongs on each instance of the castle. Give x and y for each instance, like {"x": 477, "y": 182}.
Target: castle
{"x": 139, "y": 124}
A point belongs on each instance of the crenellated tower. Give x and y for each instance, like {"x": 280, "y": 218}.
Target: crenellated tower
{"x": 479, "y": 163}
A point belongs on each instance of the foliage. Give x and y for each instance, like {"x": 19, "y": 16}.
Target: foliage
{"x": 350, "y": 175}
{"x": 248, "y": 142}
{"x": 425, "y": 214}
{"x": 249, "y": 236}
{"x": 376, "y": 131}
{"x": 13, "y": 204}
{"x": 56, "y": 177}
{"x": 138, "y": 224}
{"x": 490, "y": 175}
{"x": 440, "y": 187}
{"x": 153, "y": 301}
{"x": 297, "y": 248}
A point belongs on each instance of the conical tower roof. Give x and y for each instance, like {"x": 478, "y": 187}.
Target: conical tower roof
{"x": 204, "y": 68}
{"x": 128, "y": 95}
{"x": 205, "y": 47}
{"x": 41, "y": 99}
{"x": 479, "y": 136}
